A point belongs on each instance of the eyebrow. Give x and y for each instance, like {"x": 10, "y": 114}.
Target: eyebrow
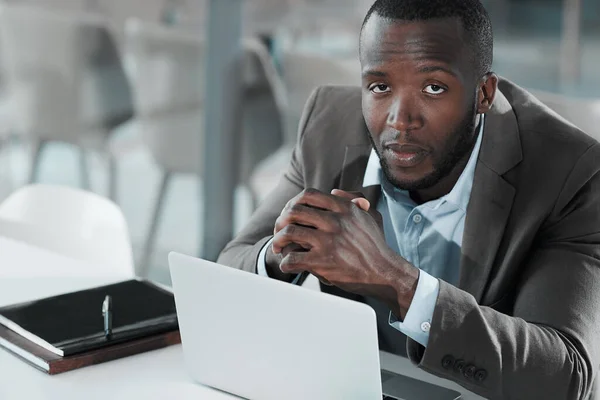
{"x": 424, "y": 70}
{"x": 436, "y": 68}
{"x": 371, "y": 72}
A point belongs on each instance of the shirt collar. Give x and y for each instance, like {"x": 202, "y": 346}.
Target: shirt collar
{"x": 460, "y": 193}
{"x": 373, "y": 171}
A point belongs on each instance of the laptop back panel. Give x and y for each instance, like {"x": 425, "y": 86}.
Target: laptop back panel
{"x": 259, "y": 338}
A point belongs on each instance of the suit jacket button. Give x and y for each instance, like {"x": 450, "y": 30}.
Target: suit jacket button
{"x": 469, "y": 371}
{"x": 459, "y": 366}
{"x": 447, "y": 361}
{"x": 480, "y": 375}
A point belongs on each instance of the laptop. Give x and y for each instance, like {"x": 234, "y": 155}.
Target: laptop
{"x": 259, "y": 338}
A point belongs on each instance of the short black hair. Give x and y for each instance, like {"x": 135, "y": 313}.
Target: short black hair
{"x": 471, "y": 13}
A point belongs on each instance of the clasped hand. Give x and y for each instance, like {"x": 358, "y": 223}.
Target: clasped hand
{"x": 339, "y": 238}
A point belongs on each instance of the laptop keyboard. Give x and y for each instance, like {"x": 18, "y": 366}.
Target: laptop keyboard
{"x": 386, "y": 397}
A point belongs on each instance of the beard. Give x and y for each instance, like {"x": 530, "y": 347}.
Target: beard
{"x": 457, "y": 146}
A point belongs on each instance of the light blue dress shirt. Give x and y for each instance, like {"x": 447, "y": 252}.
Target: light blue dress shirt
{"x": 429, "y": 236}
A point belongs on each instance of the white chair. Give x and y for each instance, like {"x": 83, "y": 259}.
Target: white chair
{"x": 303, "y": 72}
{"x": 583, "y": 113}
{"x": 46, "y": 64}
{"x": 166, "y": 68}
{"x": 72, "y": 222}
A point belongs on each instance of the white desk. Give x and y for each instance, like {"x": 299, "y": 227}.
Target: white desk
{"x": 27, "y": 273}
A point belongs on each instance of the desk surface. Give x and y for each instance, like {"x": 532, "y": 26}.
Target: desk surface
{"x": 27, "y": 273}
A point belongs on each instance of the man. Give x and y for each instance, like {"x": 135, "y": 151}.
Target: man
{"x": 477, "y": 230}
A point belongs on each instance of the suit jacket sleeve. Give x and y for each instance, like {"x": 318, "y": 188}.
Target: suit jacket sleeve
{"x": 242, "y": 253}
{"x": 550, "y": 346}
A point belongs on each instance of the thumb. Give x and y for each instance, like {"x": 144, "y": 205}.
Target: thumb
{"x": 355, "y": 197}
{"x": 363, "y": 203}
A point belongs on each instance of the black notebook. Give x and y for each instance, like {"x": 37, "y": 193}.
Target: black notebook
{"x": 73, "y": 323}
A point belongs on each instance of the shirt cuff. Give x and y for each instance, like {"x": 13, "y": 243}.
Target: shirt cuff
{"x": 417, "y": 323}
{"x": 261, "y": 263}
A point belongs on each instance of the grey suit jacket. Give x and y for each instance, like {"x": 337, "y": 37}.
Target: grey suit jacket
{"x": 524, "y": 321}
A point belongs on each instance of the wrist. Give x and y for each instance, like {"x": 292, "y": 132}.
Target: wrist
{"x": 403, "y": 282}
{"x": 407, "y": 289}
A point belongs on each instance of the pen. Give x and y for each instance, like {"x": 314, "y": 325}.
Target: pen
{"x": 107, "y": 315}
{"x": 300, "y": 278}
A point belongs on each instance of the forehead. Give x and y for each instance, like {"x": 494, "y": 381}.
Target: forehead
{"x": 440, "y": 41}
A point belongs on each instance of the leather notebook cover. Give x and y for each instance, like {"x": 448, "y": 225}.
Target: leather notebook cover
{"x": 72, "y": 323}
{"x": 52, "y": 364}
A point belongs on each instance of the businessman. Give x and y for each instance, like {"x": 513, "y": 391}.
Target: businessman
{"x": 453, "y": 202}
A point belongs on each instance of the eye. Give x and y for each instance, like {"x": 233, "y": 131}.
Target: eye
{"x": 380, "y": 88}
{"x": 434, "y": 89}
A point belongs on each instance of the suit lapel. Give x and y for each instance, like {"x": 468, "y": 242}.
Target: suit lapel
{"x": 491, "y": 197}
{"x": 487, "y": 214}
{"x": 353, "y": 173}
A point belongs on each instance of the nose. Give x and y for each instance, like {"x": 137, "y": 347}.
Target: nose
{"x": 403, "y": 115}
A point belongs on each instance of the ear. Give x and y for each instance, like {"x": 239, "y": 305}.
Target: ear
{"x": 486, "y": 92}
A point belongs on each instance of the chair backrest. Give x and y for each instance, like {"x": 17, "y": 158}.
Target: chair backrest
{"x": 264, "y": 106}
{"x": 165, "y": 67}
{"x": 585, "y": 114}
{"x": 303, "y": 72}
{"x": 41, "y": 63}
{"x": 260, "y": 67}
{"x": 69, "y": 221}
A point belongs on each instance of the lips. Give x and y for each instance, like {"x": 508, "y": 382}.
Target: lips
{"x": 404, "y": 147}
{"x": 404, "y": 155}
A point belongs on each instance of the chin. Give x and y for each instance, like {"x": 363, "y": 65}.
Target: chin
{"x": 411, "y": 180}
{"x": 404, "y": 182}
{"x": 409, "y": 174}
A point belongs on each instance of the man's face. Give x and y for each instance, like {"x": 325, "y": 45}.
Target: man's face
{"x": 419, "y": 99}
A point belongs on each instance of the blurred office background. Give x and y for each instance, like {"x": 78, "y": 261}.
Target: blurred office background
{"x": 109, "y": 95}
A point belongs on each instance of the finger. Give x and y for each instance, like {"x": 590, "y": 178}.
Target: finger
{"x": 294, "y": 263}
{"x": 323, "y": 201}
{"x": 305, "y": 237}
{"x": 359, "y": 199}
{"x": 290, "y": 248}
{"x": 285, "y": 208}
{"x": 362, "y": 203}
{"x": 355, "y": 197}
{"x": 301, "y": 214}
{"x": 299, "y": 262}
{"x": 347, "y": 195}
